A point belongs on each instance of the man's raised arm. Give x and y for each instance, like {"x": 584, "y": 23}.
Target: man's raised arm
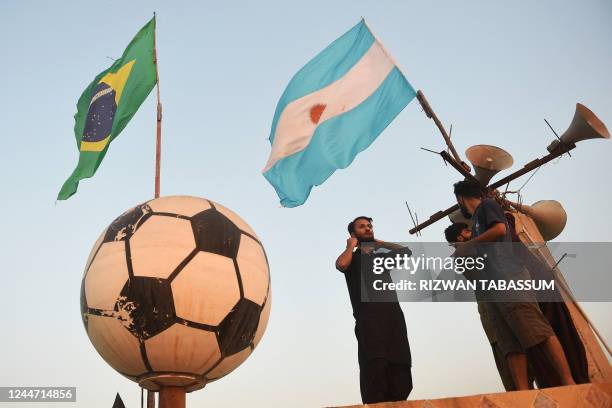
{"x": 345, "y": 258}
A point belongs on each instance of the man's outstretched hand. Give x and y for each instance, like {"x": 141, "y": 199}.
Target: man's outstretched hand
{"x": 387, "y": 245}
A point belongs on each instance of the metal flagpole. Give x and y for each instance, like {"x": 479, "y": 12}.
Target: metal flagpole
{"x": 159, "y": 113}
{"x": 150, "y": 399}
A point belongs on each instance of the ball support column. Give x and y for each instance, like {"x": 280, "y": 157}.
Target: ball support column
{"x": 150, "y": 399}
{"x": 172, "y": 397}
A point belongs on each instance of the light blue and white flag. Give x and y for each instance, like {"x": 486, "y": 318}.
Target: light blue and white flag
{"x": 332, "y": 109}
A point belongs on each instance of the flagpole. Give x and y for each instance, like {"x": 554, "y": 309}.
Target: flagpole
{"x": 432, "y": 115}
{"x": 159, "y": 113}
{"x": 424, "y": 103}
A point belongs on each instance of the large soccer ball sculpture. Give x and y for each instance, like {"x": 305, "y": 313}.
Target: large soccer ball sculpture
{"x": 176, "y": 292}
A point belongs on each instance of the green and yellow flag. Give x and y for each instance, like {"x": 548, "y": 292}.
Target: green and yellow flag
{"x": 109, "y": 102}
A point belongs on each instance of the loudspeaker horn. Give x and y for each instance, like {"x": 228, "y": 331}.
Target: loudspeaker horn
{"x": 585, "y": 125}
{"x": 488, "y": 161}
{"x": 549, "y": 216}
{"x": 456, "y": 216}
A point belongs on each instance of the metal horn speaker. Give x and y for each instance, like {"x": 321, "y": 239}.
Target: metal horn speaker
{"x": 585, "y": 125}
{"x": 488, "y": 161}
{"x": 456, "y": 216}
{"x": 549, "y": 216}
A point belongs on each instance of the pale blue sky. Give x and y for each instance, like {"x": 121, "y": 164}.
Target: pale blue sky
{"x": 492, "y": 69}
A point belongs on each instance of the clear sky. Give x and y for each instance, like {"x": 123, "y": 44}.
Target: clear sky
{"x": 492, "y": 69}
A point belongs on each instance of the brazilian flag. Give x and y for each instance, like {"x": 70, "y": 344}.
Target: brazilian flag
{"x": 109, "y": 102}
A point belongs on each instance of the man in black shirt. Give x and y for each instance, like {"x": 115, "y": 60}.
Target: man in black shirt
{"x": 519, "y": 324}
{"x": 382, "y": 343}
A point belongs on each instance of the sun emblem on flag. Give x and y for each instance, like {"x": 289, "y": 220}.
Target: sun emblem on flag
{"x": 316, "y": 112}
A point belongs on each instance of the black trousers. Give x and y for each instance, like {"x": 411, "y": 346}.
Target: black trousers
{"x": 381, "y": 380}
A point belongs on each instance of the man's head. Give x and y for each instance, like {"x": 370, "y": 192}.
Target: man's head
{"x": 469, "y": 195}
{"x": 458, "y": 232}
{"x": 361, "y": 228}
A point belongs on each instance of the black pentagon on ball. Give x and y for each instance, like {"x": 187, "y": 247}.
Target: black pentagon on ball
{"x": 83, "y": 304}
{"x": 124, "y": 226}
{"x": 237, "y": 330}
{"x": 216, "y": 233}
{"x": 146, "y": 306}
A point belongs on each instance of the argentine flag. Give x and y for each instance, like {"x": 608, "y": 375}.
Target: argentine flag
{"x": 332, "y": 109}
